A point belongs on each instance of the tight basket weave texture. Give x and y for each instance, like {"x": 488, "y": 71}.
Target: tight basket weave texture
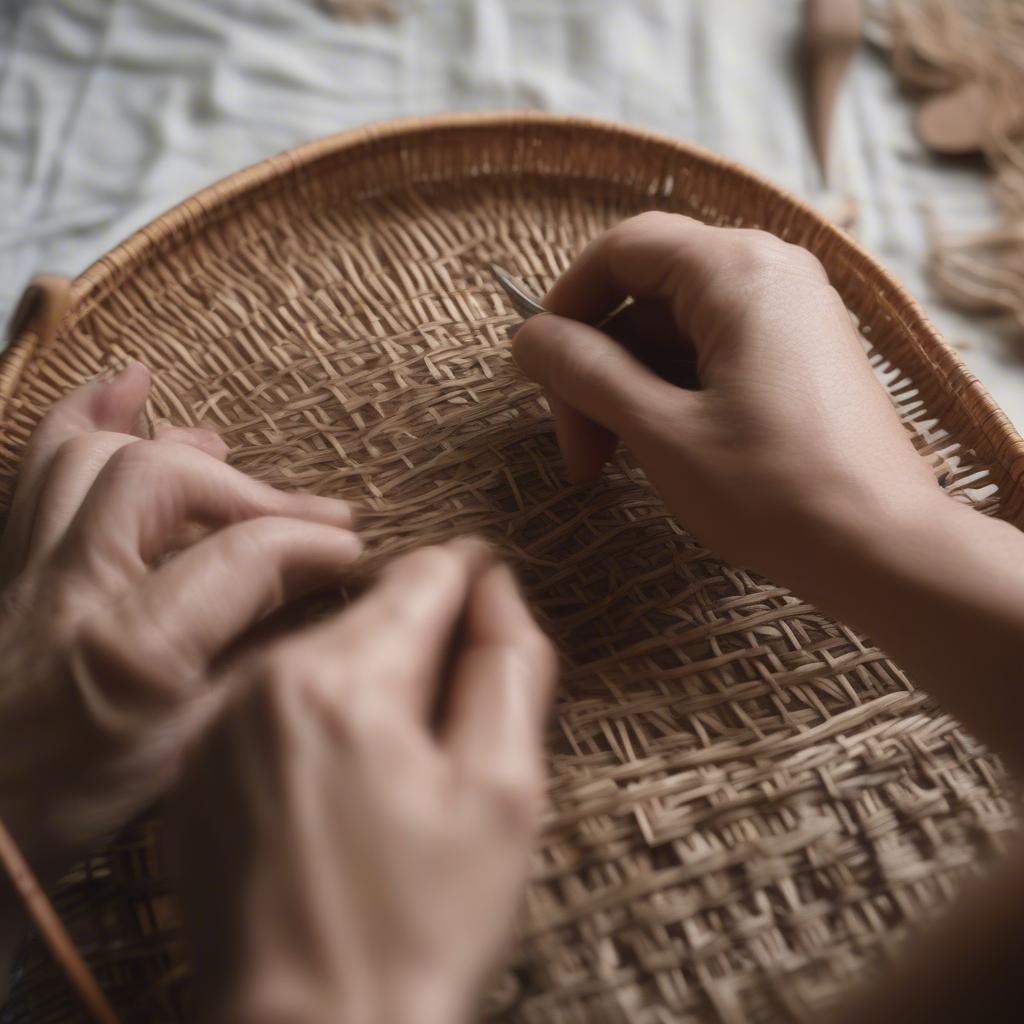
{"x": 750, "y": 803}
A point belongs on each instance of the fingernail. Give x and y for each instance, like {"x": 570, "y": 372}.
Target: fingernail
{"x": 344, "y": 511}
{"x": 356, "y": 512}
{"x": 513, "y": 329}
{"x": 114, "y": 374}
{"x": 131, "y": 368}
{"x": 211, "y": 440}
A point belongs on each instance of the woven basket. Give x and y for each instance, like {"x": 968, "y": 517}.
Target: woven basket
{"x": 748, "y": 800}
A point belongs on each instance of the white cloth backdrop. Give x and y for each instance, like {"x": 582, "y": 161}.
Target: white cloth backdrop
{"x": 113, "y": 110}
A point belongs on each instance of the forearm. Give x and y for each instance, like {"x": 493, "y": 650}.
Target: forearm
{"x": 974, "y": 950}
{"x": 939, "y": 587}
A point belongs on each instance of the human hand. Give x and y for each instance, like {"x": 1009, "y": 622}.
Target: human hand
{"x": 106, "y": 643}
{"x": 352, "y": 833}
{"x": 790, "y": 441}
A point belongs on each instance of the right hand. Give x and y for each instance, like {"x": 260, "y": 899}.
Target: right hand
{"x": 352, "y": 834}
{"x": 791, "y": 439}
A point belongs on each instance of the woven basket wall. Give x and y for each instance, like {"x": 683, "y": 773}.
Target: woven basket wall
{"x": 749, "y": 802}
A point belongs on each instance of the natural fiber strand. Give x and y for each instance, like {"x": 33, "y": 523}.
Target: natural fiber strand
{"x": 939, "y": 45}
{"x": 750, "y": 804}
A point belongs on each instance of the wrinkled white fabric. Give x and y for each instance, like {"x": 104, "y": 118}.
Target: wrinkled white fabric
{"x": 113, "y": 110}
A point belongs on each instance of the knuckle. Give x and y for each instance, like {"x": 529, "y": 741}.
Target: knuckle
{"x": 130, "y": 659}
{"x": 434, "y": 563}
{"x": 96, "y": 640}
{"x": 251, "y": 542}
{"x": 632, "y": 235}
{"x": 286, "y": 674}
{"x": 647, "y": 222}
{"x": 84, "y": 447}
{"x": 805, "y": 261}
{"x": 296, "y": 692}
{"x": 282, "y": 686}
{"x": 147, "y": 458}
{"x": 755, "y": 271}
{"x": 127, "y": 640}
{"x": 515, "y": 794}
{"x": 293, "y": 680}
{"x": 761, "y": 253}
{"x": 256, "y": 551}
{"x": 132, "y": 458}
{"x": 84, "y": 452}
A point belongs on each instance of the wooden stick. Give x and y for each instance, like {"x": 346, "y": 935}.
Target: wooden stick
{"x": 52, "y": 929}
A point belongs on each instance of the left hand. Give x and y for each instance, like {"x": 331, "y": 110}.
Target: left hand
{"x": 112, "y": 619}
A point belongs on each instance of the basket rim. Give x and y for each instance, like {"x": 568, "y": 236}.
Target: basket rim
{"x": 188, "y": 219}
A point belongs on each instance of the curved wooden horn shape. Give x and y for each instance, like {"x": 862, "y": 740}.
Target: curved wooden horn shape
{"x": 832, "y": 32}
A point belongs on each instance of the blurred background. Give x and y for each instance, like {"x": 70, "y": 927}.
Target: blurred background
{"x": 113, "y": 110}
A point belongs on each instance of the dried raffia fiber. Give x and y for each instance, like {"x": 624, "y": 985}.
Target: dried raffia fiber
{"x": 749, "y": 802}
{"x": 361, "y": 10}
{"x": 953, "y": 45}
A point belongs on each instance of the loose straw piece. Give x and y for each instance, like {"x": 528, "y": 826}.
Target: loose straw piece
{"x": 968, "y": 55}
{"x": 52, "y": 929}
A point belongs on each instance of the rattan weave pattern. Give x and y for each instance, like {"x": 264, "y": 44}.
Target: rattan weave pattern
{"x": 749, "y": 801}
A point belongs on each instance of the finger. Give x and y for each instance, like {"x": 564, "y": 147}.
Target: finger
{"x": 148, "y": 491}
{"x": 113, "y": 406}
{"x": 591, "y": 373}
{"x": 74, "y": 469}
{"x": 192, "y": 609}
{"x": 208, "y": 441}
{"x": 973, "y": 949}
{"x": 502, "y": 680}
{"x": 703, "y": 274}
{"x": 585, "y": 445}
{"x": 638, "y": 258}
{"x": 647, "y": 330}
{"x": 408, "y": 621}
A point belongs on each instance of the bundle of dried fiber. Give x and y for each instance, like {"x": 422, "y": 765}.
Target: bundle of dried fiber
{"x": 970, "y": 56}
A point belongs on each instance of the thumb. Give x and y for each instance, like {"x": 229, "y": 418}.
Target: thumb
{"x": 586, "y": 370}
{"x": 114, "y": 405}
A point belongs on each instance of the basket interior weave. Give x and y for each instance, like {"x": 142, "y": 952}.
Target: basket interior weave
{"x": 748, "y": 800}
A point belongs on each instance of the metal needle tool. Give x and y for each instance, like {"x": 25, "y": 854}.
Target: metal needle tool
{"x": 522, "y": 301}
{"x": 671, "y": 363}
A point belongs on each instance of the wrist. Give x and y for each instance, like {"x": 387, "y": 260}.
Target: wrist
{"x": 917, "y": 545}
{"x": 939, "y": 587}
{"x": 839, "y": 537}
{"x": 867, "y": 553}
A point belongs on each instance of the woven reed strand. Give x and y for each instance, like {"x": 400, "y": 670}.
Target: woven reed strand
{"x": 749, "y": 802}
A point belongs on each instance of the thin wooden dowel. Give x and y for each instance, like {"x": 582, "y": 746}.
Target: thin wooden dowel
{"x": 52, "y": 929}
